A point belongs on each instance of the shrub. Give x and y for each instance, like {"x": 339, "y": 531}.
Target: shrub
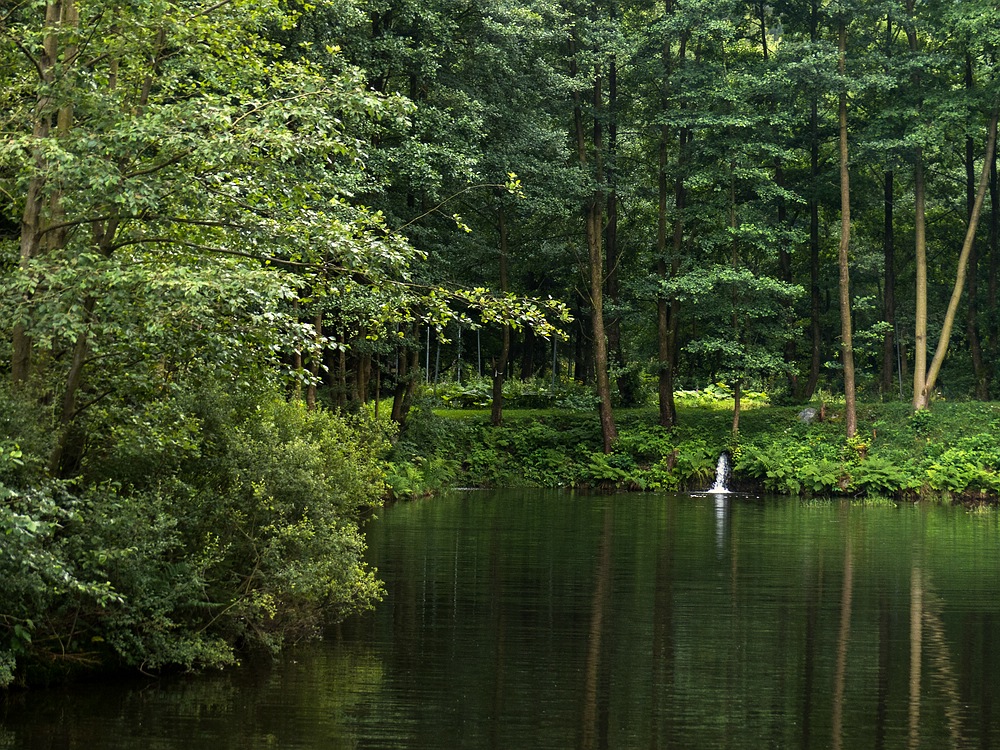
{"x": 245, "y": 535}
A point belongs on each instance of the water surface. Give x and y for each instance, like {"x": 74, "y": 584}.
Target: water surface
{"x": 535, "y": 619}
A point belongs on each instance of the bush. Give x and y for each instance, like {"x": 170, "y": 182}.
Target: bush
{"x": 235, "y": 527}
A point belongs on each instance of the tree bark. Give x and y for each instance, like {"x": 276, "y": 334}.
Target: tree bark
{"x": 920, "y": 303}
{"x": 963, "y": 262}
{"x": 612, "y": 284}
{"x": 500, "y": 363}
{"x": 846, "y": 338}
{"x": 972, "y": 308}
{"x": 58, "y": 13}
{"x": 815, "y": 302}
{"x": 920, "y": 243}
{"x": 889, "y": 288}
{"x": 406, "y": 379}
{"x": 668, "y": 309}
{"x": 993, "y": 335}
{"x": 594, "y": 213}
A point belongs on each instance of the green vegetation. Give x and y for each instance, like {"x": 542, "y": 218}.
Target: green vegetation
{"x": 228, "y": 229}
{"x": 952, "y": 452}
{"x": 216, "y": 521}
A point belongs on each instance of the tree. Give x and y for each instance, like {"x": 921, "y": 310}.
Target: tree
{"x": 846, "y": 334}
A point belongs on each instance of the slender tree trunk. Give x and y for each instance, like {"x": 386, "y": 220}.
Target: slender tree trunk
{"x": 58, "y": 14}
{"x": 993, "y": 336}
{"x": 528, "y": 355}
{"x": 611, "y": 230}
{"x": 668, "y": 309}
{"x": 972, "y": 310}
{"x": 103, "y": 239}
{"x": 815, "y": 300}
{"x": 74, "y": 380}
{"x": 919, "y": 241}
{"x": 406, "y": 380}
{"x": 785, "y": 270}
{"x": 342, "y": 372}
{"x": 314, "y": 365}
{"x": 500, "y": 363}
{"x": 737, "y": 404}
{"x": 594, "y": 214}
{"x": 846, "y": 337}
{"x": 402, "y": 376}
{"x": 362, "y": 377}
{"x": 889, "y": 291}
{"x": 920, "y": 306}
{"x": 963, "y": 262}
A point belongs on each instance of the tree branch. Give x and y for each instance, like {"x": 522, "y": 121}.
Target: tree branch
{"x": 209, "y": 9}
{"x": 255, "y": 110}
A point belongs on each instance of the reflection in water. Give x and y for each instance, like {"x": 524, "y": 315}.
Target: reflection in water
{"x": 601, "y": 590}
{"x": 843, "y": 636}
{"x": 916, "y": 653}
{"x": 547, "y": 620}
{"x": 721, "y": 503}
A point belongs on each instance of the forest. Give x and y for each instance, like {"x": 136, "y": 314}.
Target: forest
{"x": 241, "y": 240}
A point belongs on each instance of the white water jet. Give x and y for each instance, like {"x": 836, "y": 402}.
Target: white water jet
{"x": 721, "y": 476}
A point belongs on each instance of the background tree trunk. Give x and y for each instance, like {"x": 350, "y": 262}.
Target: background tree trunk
{"x": 500, "y": 363}
{"x": 963, "y": 263}
{"x": 846, "y": 337}
{"x": 889, "y": 359}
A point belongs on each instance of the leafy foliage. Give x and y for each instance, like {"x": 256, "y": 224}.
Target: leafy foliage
{"x": 244, "y": 533}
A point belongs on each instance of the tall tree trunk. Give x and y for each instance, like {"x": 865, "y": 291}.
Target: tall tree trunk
{"x": 919, "y": 239}
{"x": 785, "y": 271}
{"x": 59, "y": 14}
{"x": 74, "y": 380}
{"x": 500, "y": 363}
{"x": 737, "y": 405}
{"x": 972, "y": 310}
{"x": 920, "y": 303}
{"x": 993, "y": 336}
{"x": 889, "y": 358}
{"x": 612, "y": 284}
{"x": 963, "y": 262}
{"x": 846, "y": 337}
{"x": 815, "y": 302}
{"x": 406, "y": 379}
{"x": 103, "y": 239}
{"x": 889, "y": 291}
{"x": 668, "y": 309}
{"x": 594, "y": 213}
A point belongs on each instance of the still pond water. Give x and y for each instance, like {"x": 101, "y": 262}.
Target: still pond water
{"x": 522, "y": 619}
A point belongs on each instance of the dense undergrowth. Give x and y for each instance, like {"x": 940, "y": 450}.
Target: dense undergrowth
{"x": 205, "y": 523}
{"x": 951, "y": 451}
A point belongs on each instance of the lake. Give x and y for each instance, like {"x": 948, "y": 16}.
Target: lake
{"x": 542, "y": 619}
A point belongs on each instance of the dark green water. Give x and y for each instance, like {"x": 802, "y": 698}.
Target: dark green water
{"x": 546, "y": 620}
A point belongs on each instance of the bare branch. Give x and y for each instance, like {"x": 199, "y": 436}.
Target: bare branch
{"x": 211, "y": 249}
{"x": 158, "y": 167}
{"x": 209, "y": 9}
{"x": 443, "y": 203}
{"x": 255, "y": 110}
